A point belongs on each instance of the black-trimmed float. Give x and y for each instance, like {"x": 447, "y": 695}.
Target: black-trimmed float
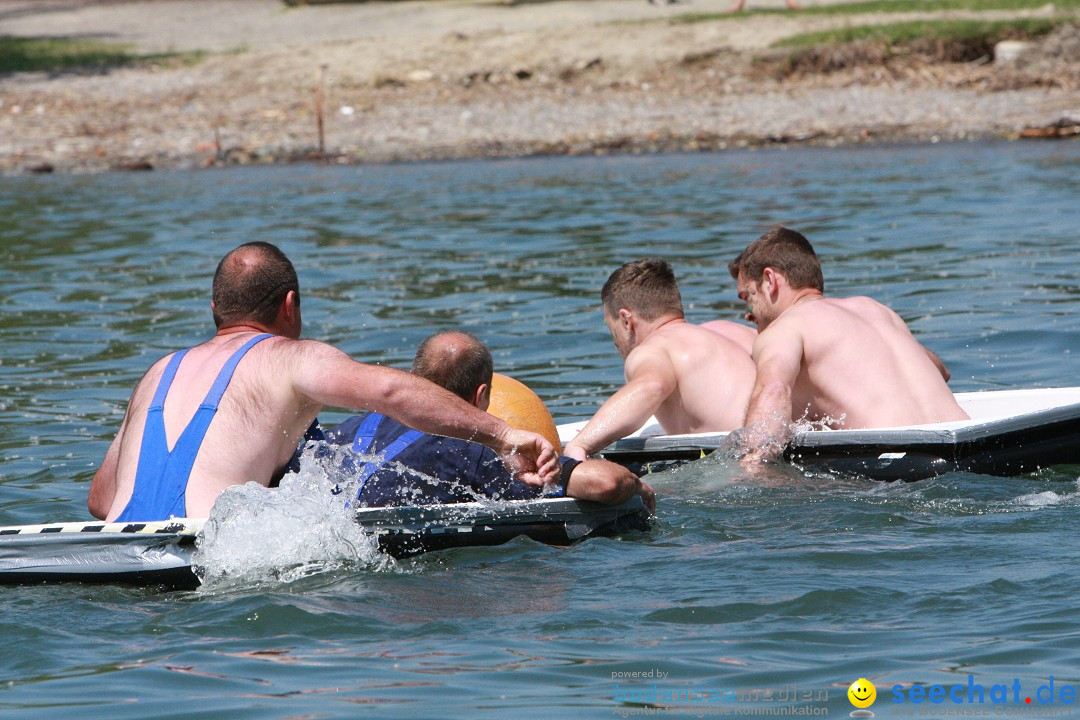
{"x": 1010, "y": 432}
{"x": 159, "y": 553}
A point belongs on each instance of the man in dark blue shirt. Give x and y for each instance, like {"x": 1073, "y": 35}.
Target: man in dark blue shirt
{"x": 414, "y": 468}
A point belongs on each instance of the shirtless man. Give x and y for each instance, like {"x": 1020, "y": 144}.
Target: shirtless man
{"x": 247, "y": 429}
{"x": 452, "y": 470}
{"x": 847, "y": 362}
{"x": 691, "y": 379}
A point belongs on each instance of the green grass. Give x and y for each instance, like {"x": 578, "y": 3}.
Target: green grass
{"x": 945, "y": 31}
{"x": 939, "y": 41}
{"x": 70, "y": 55}
{"x": 887, "y": 6}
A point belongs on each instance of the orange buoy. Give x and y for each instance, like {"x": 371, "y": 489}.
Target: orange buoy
{"x": 519, "y": 407}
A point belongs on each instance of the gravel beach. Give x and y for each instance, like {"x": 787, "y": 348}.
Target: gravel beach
{"x": 445, "y": 79}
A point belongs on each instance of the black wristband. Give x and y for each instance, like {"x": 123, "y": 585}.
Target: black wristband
{"x": 567, "y": 471}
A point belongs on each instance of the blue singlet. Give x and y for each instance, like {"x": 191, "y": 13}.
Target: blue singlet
{"x": 161, "y": 476}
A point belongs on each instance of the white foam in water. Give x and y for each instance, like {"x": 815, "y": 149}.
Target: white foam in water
{"x": 256, "y": 535}
{"x": 758, "y": 436}
{"x": 1040, "y": 499}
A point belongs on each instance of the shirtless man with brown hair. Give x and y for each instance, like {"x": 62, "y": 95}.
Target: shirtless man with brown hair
{"x": 691, "y": 379}
{"x": 847, "y": 362}
{"x": 240, "y": 403}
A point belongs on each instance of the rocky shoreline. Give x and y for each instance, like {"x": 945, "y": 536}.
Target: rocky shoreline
{"x": 550, "y": 92}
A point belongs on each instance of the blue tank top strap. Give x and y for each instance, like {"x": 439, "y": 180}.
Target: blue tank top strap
{"x": 166, "y": 380}
{"x": 365, "y": 436}
{"x": 162, "y": 475}
{"x": 225, "y": 376}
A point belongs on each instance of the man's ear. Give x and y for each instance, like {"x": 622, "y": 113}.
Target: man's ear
{"x": 626, "y": 319}
{"x": 290, "y": 305}
{"x": 771, "y": 280}
{"x": 482, "y": 397}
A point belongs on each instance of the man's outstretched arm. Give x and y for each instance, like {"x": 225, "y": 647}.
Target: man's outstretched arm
{"x": 778, "y": 358}
{"x": 329, "y": 377}
{"x": 607, "y": 482}
{"x": 650, "y": 380}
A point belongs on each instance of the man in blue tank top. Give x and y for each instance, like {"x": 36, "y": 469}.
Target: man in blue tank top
{"x": 414, "y": 468}
{"x": 233, "y": 409}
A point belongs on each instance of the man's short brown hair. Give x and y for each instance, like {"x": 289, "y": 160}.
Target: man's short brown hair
{"x": 785, "y": 251}
{"x": 455, "y": 360}
{"x": 645, "y": 287}
{"x": 250, "y": 283}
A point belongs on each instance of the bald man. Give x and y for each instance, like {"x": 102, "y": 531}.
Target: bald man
{"x": 418, "y": 468}
{"x": 233, "y": 409}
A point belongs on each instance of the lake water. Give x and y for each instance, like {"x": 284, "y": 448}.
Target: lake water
{"x": 746, "y": 598}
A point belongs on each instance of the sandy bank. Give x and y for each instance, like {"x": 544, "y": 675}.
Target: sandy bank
{"x": 445, "y": 79}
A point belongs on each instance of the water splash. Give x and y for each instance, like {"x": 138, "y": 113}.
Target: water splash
{"x": 772, "y": 435}
{"x": 1040, "y": 499}
{"x": 258, "y": 535}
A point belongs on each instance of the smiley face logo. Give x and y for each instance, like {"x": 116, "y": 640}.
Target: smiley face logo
{"x": 862, "y": 693}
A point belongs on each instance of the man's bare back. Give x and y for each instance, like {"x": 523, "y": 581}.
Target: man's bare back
{"x": 861, "y": 367}
{"x": 238, "y": 447}
{"x": 713, "y": 376}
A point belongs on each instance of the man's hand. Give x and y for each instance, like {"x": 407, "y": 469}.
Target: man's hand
{"x": 755, "y": 460}
{"x": 575, "y": 451}
{"x": 756, "y": 444}
{"x": 530, "y": 457}
{"x": 648, "y": 496}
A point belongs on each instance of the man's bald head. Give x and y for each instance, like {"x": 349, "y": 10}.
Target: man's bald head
{"x": 456, "y": 360}
{"x": 250, "y": 284}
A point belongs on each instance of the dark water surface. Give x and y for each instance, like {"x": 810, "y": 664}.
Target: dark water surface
{"x": 795, "y": 588}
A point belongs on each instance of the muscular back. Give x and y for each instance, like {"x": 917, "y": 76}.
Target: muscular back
{"x": 861, "y": 364}
{"x": 254, "y": 433}
{"x": 714, "y": 377}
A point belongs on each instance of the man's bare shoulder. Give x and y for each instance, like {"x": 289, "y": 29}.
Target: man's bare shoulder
{"x": 306, "y": 368}
{"x": 684, "y": 345}
{"x": 152, "y": 376}
{"x": 857, "y": 303}
{"x": 741, "y": 335}
{"x": 679, "y": 338}
{"x": 654, "y": 348}
{"x": 868, "y": 309}
{"x": 289, "y": 350}
{"x": 689, "y": 333}
{"x": 728, "y": 328}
